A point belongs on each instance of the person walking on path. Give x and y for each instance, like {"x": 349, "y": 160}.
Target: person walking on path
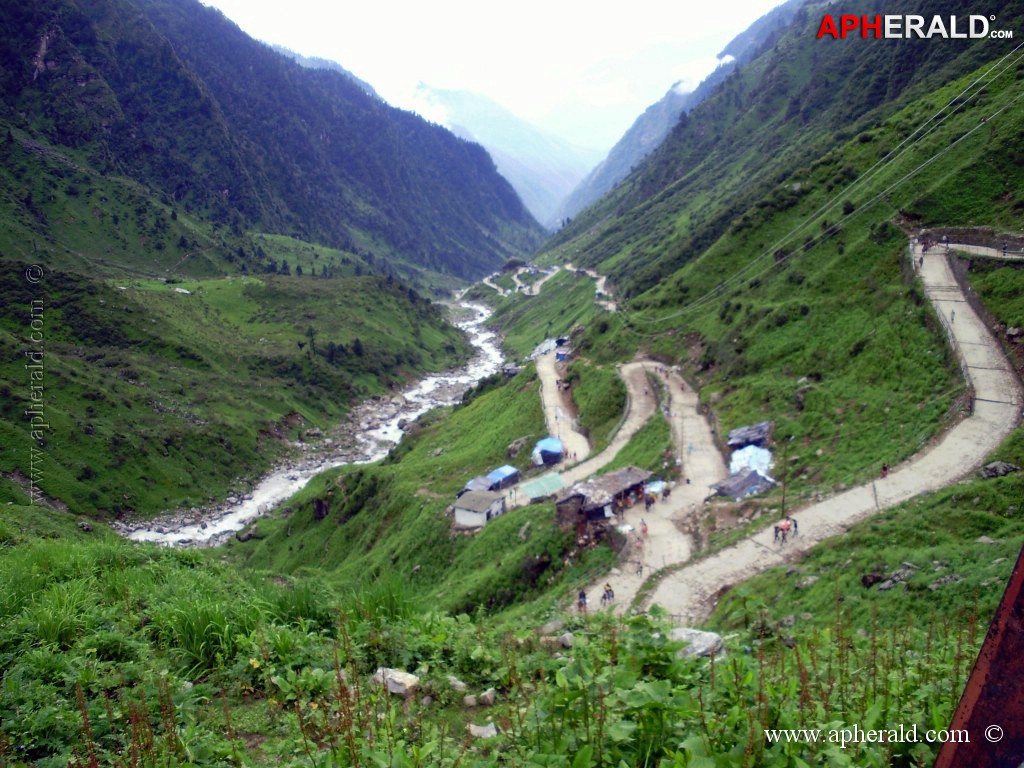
{"x": 581, "y": 601}
{"x": 608, "y": 595}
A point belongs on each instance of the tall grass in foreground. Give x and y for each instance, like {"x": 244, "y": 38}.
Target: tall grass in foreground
{"x": 623, "y": 696}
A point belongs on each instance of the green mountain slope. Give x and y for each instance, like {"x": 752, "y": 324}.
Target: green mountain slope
{"x": 781, "y": 288}
{"x": 784, "y": 110}
{"x": 175, "y": 97}
{"x": 159, "y": 395}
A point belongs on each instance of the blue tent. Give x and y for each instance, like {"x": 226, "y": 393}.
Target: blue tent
{"x": 503, "y": 477}
{"x": 547, "y": 451}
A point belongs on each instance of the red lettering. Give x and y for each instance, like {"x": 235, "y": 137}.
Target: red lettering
{"x": 875, "y": 26}
{"x": 828, "y": 27}
{"x": 847, "y": 24}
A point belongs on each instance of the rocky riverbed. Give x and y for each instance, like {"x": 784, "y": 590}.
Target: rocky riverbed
{"x": 370, "y": 431}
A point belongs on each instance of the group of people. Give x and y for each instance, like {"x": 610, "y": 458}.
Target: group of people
{"x": 785, "y": 529}
{"x": 607, "y": 597}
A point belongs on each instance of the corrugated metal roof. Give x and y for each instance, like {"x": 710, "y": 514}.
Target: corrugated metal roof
{"x": 754, "y": 434}
{"x": 479, "y": 483}
{"x": 542, "y": 486}
{"x": 603, "y": 489}
{"x": 477, "y": 501}
{"x": 744, "y": 484}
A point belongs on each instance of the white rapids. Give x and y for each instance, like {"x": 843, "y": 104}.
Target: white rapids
{"x": 431, "y": 392}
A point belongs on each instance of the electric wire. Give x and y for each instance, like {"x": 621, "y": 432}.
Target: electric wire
{"x": 957, "y": 103}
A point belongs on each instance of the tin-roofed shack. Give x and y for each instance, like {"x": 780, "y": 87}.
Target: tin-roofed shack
{"x": 743, "y": 484}
{"x": 503, "y": 477}
{"x": 474, "y": 509}
{"x": 479, "y": 483}
{"x": 755, "y": 434}
{"x": 598, "y": 499}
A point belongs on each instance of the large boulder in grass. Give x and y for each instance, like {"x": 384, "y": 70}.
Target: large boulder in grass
{"x": 456, "y": 685}
{"x": 698, "y": 642}
{"x": 998, "y": 469}
{"x": 516, "y": 447}
{"x": 488, "y": 731}
{"x": 557, "y": 625}
{"x": 402, "y": 684}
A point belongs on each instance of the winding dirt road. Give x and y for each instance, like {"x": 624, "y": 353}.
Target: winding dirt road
{"x": 688, "y": 593}
{"x": 557, "y": 416}
{"x": 665, "y": 543}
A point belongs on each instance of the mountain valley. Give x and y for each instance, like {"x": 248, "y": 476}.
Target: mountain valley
{"x": 215, "y": 260}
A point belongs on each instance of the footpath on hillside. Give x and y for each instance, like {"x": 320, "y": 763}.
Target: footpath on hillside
{"x": 666, "y": 543}
{"x": 557, "y": 415}
{"x": 640, "y": 406}
{"x": 532, "y": 289}
{"x": 690, "y": 592}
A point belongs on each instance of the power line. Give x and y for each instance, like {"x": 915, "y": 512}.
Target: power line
{"x": 951, "y": 108}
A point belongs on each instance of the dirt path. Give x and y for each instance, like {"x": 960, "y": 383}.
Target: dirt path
{"x": 688, "y": 593}
{"x": 600, "y": 289}
{"x": 639, "y": 408}
{"x": 493, "y": 285}
{"x": 557, "y": 415}
{"x": 666, "y": 543}
{"x": 534, "y": 289}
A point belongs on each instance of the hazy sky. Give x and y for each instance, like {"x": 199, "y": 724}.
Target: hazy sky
{"x": 579, "y": 69}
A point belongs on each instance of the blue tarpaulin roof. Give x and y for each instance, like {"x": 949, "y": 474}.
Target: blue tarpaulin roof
{"x": 501, "y": 473}
{"x": 549, "y": 445}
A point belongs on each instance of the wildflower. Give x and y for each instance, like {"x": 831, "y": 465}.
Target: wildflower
{"x": 254, "y": 663}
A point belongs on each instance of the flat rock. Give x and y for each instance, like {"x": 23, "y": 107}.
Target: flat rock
{"x": 400, "y": 683}
{"x": 488, "y": 731}
{"x": 551, "y": 627}
{"x": 456, "y": 685}
{"x": 998, "y": 469}
{"x": 698, "y": 642}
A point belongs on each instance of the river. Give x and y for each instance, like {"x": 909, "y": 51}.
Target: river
{"x": 376, "y": 434}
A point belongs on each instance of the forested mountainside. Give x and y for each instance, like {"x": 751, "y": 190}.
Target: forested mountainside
{"x": 172, "y": 95}
{"x": 651, "y": 127}
{"x": 221, "y": 245}
{"x": 786, "y": 108}
{"x": 351, "y": 625}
